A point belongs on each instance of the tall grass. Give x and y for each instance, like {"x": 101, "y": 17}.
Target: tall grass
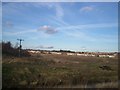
{"x": 45, "y": 72}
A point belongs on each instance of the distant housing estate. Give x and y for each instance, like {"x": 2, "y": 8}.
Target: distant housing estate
{"x": 72, "y": 53}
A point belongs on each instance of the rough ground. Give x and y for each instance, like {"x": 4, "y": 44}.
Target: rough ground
{"x": 60, "y": 71}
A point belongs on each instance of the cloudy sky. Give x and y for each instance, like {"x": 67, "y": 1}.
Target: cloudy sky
{"x": 77, "y": 26}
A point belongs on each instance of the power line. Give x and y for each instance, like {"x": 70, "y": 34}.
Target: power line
{"x": 20, "y": 47}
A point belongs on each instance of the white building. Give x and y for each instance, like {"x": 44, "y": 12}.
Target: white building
{"x": 56, "y": 53}
{"x": 70, "y": 53}
{"x": 34, "y": 52}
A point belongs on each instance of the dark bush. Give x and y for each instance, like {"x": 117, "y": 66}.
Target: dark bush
{"x": 9, "y": 50}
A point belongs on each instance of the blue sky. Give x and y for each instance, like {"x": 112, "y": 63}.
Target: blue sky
{"x": 80, "y": 26}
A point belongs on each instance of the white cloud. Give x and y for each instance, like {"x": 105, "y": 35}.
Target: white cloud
{"x": 58, "y": 21}
{"x": 89, "y": 26}
{"x": 9, "y": 24}
{"x": 81, "y": 31}
{"x": 18, "y": 33}
{"x": 45, "y": 47}
{"x": 86, "y": 9}
{"x": 80, "y": 35}
{"x": 43, "y": 4}
{"x": 59, "y": 11}
{"x": 48, "y": 29}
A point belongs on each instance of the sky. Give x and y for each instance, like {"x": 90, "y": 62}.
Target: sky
{"x": 78, "y": 26}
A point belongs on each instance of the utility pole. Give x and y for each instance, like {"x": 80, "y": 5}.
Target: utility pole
{"x": 20, "y": 47}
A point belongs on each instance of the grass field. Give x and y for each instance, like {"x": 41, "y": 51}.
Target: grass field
{"x": 59, "y": 71}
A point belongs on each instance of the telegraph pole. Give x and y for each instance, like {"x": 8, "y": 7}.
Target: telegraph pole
{"x": 20, "y": 47}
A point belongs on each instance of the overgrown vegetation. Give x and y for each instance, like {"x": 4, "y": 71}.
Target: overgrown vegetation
{"x": 46, "y": 71}
{"x": 9, "y": 50}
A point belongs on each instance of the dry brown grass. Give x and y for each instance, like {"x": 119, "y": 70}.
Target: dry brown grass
{"x": 59, "y": 71}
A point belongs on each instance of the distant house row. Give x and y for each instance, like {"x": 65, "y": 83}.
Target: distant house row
{"x": 92, "y": 54}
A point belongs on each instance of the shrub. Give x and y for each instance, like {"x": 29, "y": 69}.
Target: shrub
{"x": 9, "y": 50}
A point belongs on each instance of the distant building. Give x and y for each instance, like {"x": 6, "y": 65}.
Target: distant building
{"x": 71, "y": 53}
{"x": 56, "y": 53}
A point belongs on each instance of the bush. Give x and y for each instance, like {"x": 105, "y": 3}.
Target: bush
{"x": 9, "y": 50}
